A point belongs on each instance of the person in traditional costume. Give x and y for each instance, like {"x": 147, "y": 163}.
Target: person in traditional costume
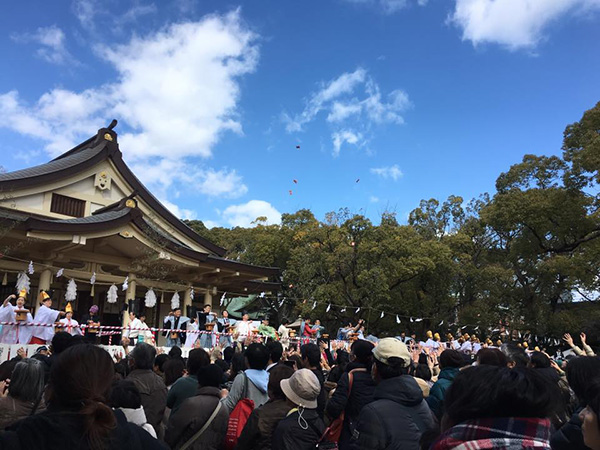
{"x": 43, "y": 334}
{"x": 92, "y": 320}
{"x": 190, "y": 336}
{"x": 284, "y": 334}
{"x": 225, "y": 326}
{"x": 146, "y": 333}
{"x": 133, "y": 329}
{"x": 15, "y": 334}
{"x": 267, "y": 330}
{"x": 70, "y": 325}
{"x": 243, "y": 329}
{"x": 206, "y": 317}
{"x": 175, "y": 321}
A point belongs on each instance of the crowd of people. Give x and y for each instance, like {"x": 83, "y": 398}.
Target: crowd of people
{"x": 355, "y": 393}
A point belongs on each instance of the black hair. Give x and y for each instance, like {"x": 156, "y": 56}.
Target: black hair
{"x": 451, "y": 358}
{"x": 210, "y": 376}
{"x": 393, "y": 368}
{"x": 278, "y": 373}
{"x": 61, "y": 341}
{"x": 174, "y": 368}
{"x": 515, "y": 354}
{"x": 491, "y": 357}
{"x": 275, "y": 351}
{"x": 490, "y": 391}
{"x": 228, "y": 354}
{"x": 160, "y": 361}
{"x": 196, "y": 359}
{"x": 143, "y": 356}
{"x": 125, "y": 394}
{"x": 257, "y": 356}
{"x": 423, "y": 372}
{"x": 285, "y": 322}
{"x": 238, "y": 364}
{"x": 580, "y": 371}
{"x": 363, "y": 352}
{"x": 592, "y": 394}
{"x": 176, "y": 309}
{"x": 312, "y": 354}
{"x": 175, "y": 352}
{"x": 540, "y": 361}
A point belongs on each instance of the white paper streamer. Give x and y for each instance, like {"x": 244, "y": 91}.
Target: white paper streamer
{"x": 223, "y": 298}
{"x": 397, "y": 319}
{"x": 328, "y": 308}
{"x": 126, "y": 283}
{"x": 112, "y": 294}
{"x": 382, "y": 314}
{"x": 60, "y": 273}
{"x": 357, "y": 310}
{"x": 30, "y": 268}
{"x": 93, "y": 279}
{"x": 71, "y": 293}
{"x": 150, "y": 299}
{"x": 175, "y": 300}
{"x": 23, "y": 282}
{"x": 192, "y": 294}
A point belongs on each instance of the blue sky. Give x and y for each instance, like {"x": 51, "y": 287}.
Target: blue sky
{"x": 415, "y": 98}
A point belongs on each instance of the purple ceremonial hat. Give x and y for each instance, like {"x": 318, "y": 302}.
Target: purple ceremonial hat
{"x": 94, "y": 309}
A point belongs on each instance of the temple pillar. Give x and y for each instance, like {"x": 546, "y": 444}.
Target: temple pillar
{"x": 45, "y": 280}
{"x": 187, "y": 301}
{"x": 208, "y": 297}
{"x": 129, "y": 295}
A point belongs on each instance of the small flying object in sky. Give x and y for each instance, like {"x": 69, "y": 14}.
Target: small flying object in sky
{"x": 298, "y": 147}
{"x": 290, "y": 192}
{"x": 295, "y": 181}
{"x": 357, "y": 180}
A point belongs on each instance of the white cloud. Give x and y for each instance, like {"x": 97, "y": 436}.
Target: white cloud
{"x": 388, "y": 6}
{"x": 85, "y": 11}
{"x": 244, "y": 214}
{"x": 373, "y": 199}
{"x": 176, "y": 91}
{"x": 52, "y": 44}
{"x": 392, "y": 172}
{"x": 184, "y": 214}
{"x": 345, "y": 137}
{"x": 210, "y": 224}
{"x": 514, "y": 24}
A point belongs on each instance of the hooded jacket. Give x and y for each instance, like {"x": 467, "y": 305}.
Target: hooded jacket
{"x": 259, "y": 429}
{"x": 153, "y": 392}
{"x": 362, "y": 392}
{"x": 54, "y": 429}
{"x": 258, "y": 381}
{"x": 291, "y": 435}
{"x": 438, "y": 390}
{"x": 395, "y": 419}
{"x": 192, "y": 415}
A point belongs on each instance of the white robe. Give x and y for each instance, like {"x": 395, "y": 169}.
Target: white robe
{"x": 190, "y": 338}
{"x": 71, "y": 327}
{"x": 133, "y": 333}
{"x": 14, "y": 334}
{"x": 45, "y": 315}
{"x": 244, "y": 329}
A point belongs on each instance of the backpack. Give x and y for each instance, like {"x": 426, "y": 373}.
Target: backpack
{"x": 334, "y": 431}
{"x": 238, "y": 418}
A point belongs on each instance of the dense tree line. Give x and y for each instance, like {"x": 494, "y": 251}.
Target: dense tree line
{"x": 528, "y": 256}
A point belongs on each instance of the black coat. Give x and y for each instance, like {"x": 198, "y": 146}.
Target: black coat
{"x": 258, "y": 431}
{"x": 289, "y": 435}
{"x": 569, "y": 436}
{"x": 395, "y": 419}
{"x": 322, "y": 398}
{"x": 51, "y": 430}
{"x": 363, "y": 389}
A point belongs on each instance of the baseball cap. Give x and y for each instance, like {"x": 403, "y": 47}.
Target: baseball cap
{"x": 391, "y": 348}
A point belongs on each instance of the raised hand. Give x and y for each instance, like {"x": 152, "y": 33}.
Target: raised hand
{"x": 583, "y": 338}
{"x": 568, "y": 339}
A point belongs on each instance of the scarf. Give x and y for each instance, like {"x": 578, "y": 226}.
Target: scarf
{"x": 504, "y": 433}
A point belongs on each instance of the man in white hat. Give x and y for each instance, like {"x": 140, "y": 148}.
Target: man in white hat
{"x": 302, "y": 428}
{"x": 399, "y": 415}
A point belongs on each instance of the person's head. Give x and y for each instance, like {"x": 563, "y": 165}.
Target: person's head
{"x": 142, "y": 356}
{"x": 491, "y": 357}
{"x": 61, "y": 341}
{"x": 125, "y": 394}
{"x": 257, "y": 356}
{"x": 238, "y": 364}
{"x": 197, "y": 359}
{"x": 177, "y": 312}
{"x": 69, "y": 315}
{"x": 159, "y": 363}
{"x": 225, "y": 314}
{"x": 392, "y": 359}
{"x": 285, "y": 322}
{"x": 322, "y": 343}
{"x": 311, "y": 356}
{"x": 245, "y": 316}
{"x": 490, "y": 391}
{"x": 131, "y": 315}
{"x": 278, "y": 373}
{"x": 515, "y": 355}
{"x": 589, "y": 416}
{"x": 265, "y": 321}
{"x": 142, "y": 318}
{"x": 451, "y": 359}
{"x": 207, "y": 308}
{"x": 94, "y": 310}
{"x": 423, "y": 372}
{"x": 295, "y": 358}
{"x": 302, "y": 389}
{"x": 362, "y": 352}
{"x": 175, "y": 352}
{"x": 80, "y": 380}
{"x": 580, "y": 371}
{"x": 27, "y": 381}
{"x": 275, "y": 351}
{"x": 42, "y": 350}
{"x": 174, "y": 368}
{"x": 307, "y": 320}
{"x": 228, "y": 354}
{"x": 317, "y": 322}
{"x": 210, "y": 376}
{"x": 403, "y": 335}
{"x": 539, "y": 361}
